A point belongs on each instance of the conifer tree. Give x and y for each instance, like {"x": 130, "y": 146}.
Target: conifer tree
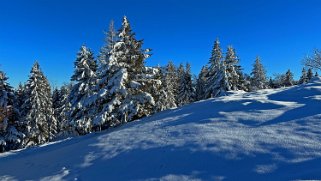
{"x": 39, "y": 121}
{"x": 10, "y": 137}
{"x": 231, "y": 62}
{"x": 62, "y": 111}
{"x": 304, "y": 77}
{"x": 222, "y": 84}
{"x": 201, "y": 83}
{"x": 242, "y": 83}
{"x": 123, "y": 96}
{"x": 288, "y": 80}
{"x": 169, "y": 83}
{"x": 310, "y": 74}
{"x": 85, "y": 79}
{"x": 258, "y": 80}
{"x": 186, "y": 91}
{"x": 213, "y": 71}
{"x": 316, "y": 74}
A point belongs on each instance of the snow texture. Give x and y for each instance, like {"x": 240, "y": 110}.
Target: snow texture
{"x": 265, "y": 135}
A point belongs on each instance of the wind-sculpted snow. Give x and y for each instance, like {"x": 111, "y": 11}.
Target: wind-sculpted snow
{"x": 265, "y": 135}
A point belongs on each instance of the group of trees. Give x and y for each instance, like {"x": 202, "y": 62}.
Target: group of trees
{"x": 117, "y": 88}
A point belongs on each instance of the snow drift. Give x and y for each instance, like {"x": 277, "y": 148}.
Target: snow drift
{"x": 265, "y": 135}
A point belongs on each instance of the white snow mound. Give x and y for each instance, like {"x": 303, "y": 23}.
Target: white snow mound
{"x": 265, "y": 135}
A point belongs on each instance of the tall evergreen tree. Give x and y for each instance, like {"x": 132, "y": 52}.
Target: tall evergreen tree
{"x": 222, "y": 84}
{"x": 231, "y": 62}
{"x": 62, "y": 111}
{"x": 186, "y": 91}
{"x": 169, "y": 84}
{"x": 39, "y": 121}
{"x": 258, "y": 80}
{"x": 10, "y": 137}
{"x": 213, "y": 71}
{"x": 201, "y": 83}
{"x": 122, "y": 96}
{"x": 85, "y": 79}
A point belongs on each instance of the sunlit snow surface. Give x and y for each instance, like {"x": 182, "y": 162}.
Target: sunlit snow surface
{"x": 266, "y": 135}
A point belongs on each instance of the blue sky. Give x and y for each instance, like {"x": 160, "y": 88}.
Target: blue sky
{"x": 51, "y": 31}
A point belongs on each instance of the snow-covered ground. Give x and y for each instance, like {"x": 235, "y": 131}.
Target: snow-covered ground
{"x": 266, "y": 135}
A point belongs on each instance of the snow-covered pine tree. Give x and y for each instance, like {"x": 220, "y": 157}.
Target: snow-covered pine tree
{"x": 310, "y": 74}
{"x": 122, "y": 96}
{"x": 304, "y": 77}
{"x": 214, "y": 68}
{"x": 157, "y": 88}
{"x": 242, "y": 83}
{"x": 258, "y": 80}
{"x": 63, "y": 111}
{"x": 231, "y": 62}
{"x": 138, "y": 102}
{"x": 38, "y": 118}
{"x": 167, "y": 98}
{"x": 288, "y": 79}
{"x": 49, "y": 111}
{"x": 172, "y": 78}
{"x": 201, "y": 83}
{"x": 186, "y": 90}
{"x": 10, "y": 137}
{"x": 84, "y": 78}
{"x": 222, "y": 84}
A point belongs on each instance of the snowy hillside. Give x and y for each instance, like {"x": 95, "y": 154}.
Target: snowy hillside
{"x": 266, "y": 135}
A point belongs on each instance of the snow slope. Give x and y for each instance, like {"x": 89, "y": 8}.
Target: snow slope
{"x": 266, "y": 135}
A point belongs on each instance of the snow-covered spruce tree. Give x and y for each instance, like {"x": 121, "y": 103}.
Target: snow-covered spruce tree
{"x": 214, "y": 68}
{"x": 231, "y": 62}
{"x": 186, "y": 90}
{"x": 62, "y": 111}
{"x": 38, "y": 115}
{"x": 167, "y": 98}
{"x": 84, "y": 78}
{"x": 157, "y": 88}
{"x": 222, "y": 84}
{"x": 304, "y": 77}
{"x": 288, "y": 79}
{"x": 61, "y": 107}
{"x": 310, "y": 74}
{"x": 258, "y": 80}
{"x": 122, "y": 96}
{"x": 172, "y": 79}
{"x": 201, "y": 83}
{"x": 242, "y": 83}
{"x": 10, "y": 137}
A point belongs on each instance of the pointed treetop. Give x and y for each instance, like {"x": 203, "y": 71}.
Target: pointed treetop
{"x": 125, "y": 29}
{"x": 217, "y": 55}
{"x": 36, "y": 67}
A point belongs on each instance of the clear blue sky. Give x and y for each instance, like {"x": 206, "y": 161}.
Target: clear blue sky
{"x": 281, "y": 32}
